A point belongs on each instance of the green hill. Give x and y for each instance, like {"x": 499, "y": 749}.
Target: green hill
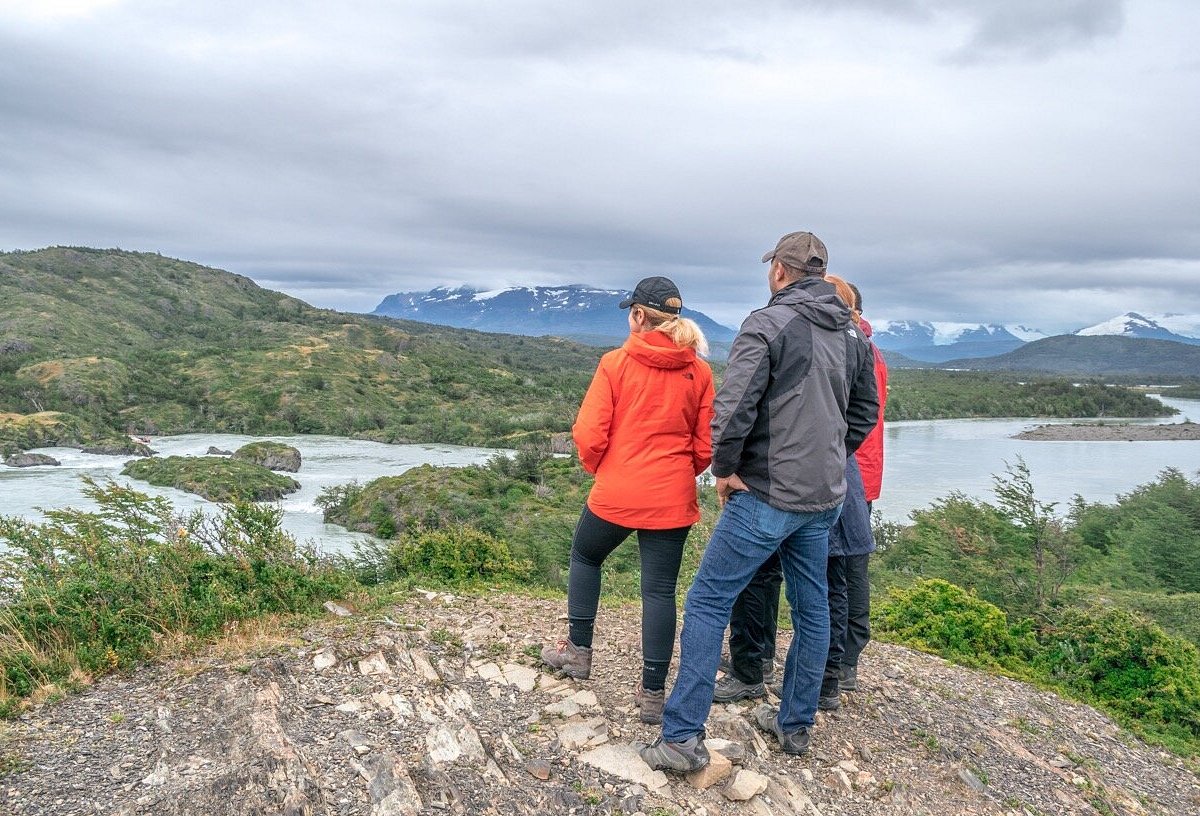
{"x": 1095, "y": 356}
{"x": 97, "y": 342}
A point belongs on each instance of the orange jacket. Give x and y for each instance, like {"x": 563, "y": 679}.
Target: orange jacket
{"x": 643, "y": 429}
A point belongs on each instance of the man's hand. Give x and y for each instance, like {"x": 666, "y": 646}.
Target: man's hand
{"x": 727, "y": 486}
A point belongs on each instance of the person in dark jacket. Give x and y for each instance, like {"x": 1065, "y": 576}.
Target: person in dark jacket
{"x": 799, "y": 393}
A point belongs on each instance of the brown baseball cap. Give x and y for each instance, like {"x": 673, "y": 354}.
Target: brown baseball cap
{"x": 800, "y": 250}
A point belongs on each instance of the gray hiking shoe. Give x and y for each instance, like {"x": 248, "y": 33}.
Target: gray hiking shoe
{"x": 829, "y": 702}
{"x": 729, "y": 690}
{"x": 848, "y": 678}
{"x": 682, "y": 757}
{"x": 766, "y": 717}
{"x": 571, "y": 660}
{"x": 651, "y": 704}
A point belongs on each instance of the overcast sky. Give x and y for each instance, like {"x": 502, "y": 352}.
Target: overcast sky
{"x": 1017, "y": 161}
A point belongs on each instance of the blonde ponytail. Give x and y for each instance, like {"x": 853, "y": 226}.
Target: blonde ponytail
{"x": 683, "y": 331}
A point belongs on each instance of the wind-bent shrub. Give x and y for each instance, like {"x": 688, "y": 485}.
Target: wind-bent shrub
{"x": 98, "y": 590}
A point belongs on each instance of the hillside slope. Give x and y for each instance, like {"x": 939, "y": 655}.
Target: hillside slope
{"x": 434, "y": 706}
{"x": 1104, "y": 355}
{"x": 97, "y": 342}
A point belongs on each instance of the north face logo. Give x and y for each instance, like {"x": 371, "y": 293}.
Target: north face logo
{"x": 688, "y": 375}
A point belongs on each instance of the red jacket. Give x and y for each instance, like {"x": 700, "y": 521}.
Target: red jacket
{"x": 870, "y": 452}
{"x": 644, "y": 430}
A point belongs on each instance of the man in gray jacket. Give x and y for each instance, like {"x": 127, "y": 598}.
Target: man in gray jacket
{"x": 799, "y": 395}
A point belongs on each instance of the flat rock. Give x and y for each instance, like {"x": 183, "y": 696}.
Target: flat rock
{"x": 623, "y": 761}
{"x": 24, "y": 460}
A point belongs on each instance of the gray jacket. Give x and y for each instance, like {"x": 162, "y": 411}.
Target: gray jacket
{"x": 799, "y": 396}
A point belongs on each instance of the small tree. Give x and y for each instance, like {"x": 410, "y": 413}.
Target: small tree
{"x": 1042, "y": 537}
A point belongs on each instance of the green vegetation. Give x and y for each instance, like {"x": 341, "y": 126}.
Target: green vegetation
{"x": 90, "y": 592}
{"x": 1099, "y": 602}
{"x": 936, "y": 394}
{"x": 118, "y": 342}
{"x": 271, "y": 455}
{"x": 216, "y": 478}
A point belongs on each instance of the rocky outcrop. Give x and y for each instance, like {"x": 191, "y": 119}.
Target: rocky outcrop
{"x": 213, "y": 450}
{"x": 271, "y": 455}
{"x": 118, "y": 447}
{"x": 24, "y": 460}
{"x": 437, "y": 706}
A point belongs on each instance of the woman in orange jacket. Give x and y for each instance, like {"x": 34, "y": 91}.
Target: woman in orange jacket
{"x": 644, "y": 431}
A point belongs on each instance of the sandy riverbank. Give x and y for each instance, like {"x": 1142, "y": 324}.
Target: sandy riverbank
{"x": 1097, "y": 432}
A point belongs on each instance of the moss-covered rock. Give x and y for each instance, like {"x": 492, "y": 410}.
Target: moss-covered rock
{"x": 271, "y": 455}
{"x": 214, "y": 478}
{"x": 118, "y": 447}
{"x": 21, "y": 460}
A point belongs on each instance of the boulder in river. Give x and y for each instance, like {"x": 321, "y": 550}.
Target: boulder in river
{"x": 213, "y": 450}
{"x": 21, "y": 460}
{"x": 271, "y": 455}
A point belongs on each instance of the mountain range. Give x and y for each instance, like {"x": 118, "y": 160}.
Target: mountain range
{"x": 575, "y": 312}
{"x": 589, "y": 315}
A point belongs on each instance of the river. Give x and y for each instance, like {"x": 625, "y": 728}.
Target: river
{"x": 924, "y": 461}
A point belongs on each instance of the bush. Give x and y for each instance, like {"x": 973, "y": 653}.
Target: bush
{"x": 98, "y": 591}
{"x": 1130, "y": 666}
{"x": 457, "y": 555}
{"x": 937, "y": 616}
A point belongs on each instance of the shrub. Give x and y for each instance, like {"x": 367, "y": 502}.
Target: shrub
{"x": 937, "y": 616}
{"x": 97, "y": 591}
{"x": 1130, "y": 666}
{"x": 457, "y": 555}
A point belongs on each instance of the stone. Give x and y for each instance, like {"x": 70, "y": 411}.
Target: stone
{"x": 745, "y": 785}
{"x": 390, "y": 787}
{"x": 623, "y": 761}
{"x": 576, "y": 735}
{"x": 848, "y": 766}
{"x": 374, "y": 665}
{"x": 523, "y": 677}
{"x": 864, "y": 779}
{"x": 717, "y": 770}
{"x": 586, "y": 699}
{"x": 838, "y": 781}
{"x": 325, "y": 659}
{"x": 423, "y": 666}
{"x": 735, "y": 752}
{"x": 807, "y": 775}
{"x": 213, "y": 450}
{"x": 338, "y": 610}
{"x": 489, "y": 671}
{"x": 970, "y": 780}
{"x": 538, "y": 769}
{"x": 24, "y": 460}
{"x": 355, "y": 739}
{"x": 271, "y": 455}
{"x": 566, "y": 709}
{"x": 350, "y": 707}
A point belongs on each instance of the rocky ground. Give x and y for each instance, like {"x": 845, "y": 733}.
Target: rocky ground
{"x": 437, "y": 706}
{"x": 1113, "y": 432}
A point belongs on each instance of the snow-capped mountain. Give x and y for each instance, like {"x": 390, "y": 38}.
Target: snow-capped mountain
{"x": 576, "y": 311}
{"x": 1181, "y": 328}
{"x": 938, "y": 342}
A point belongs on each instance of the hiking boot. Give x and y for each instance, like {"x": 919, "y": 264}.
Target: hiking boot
{"x": 768, "y": 668}
{"x": 766, "y": 717}
{"x": 571, "y": 660}
{"x": 848, "y": 678}
{"x": 729, "y": 690}
{"x": 683, "y": 757}
{"x": 651, "y": 704}
{"x": 829, "y": 702}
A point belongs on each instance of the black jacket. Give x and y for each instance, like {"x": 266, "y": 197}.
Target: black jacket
{"x": 799, "y": 395}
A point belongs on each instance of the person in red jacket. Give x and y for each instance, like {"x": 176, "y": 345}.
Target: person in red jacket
{"x": 644, "y": 431}
{"x": 858, "y": 587}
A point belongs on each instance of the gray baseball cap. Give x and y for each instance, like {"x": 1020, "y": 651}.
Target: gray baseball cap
{"x": 658, "y": 293}
{"x": 800, "y": 250}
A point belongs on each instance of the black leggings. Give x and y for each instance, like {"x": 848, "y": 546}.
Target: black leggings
{"x": 661, "y": 553}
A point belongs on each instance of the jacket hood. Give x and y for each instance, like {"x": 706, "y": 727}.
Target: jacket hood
{"x": 657, "y": 350}
{"x": 865, "y": 326}
{"x": 816, "y": 300}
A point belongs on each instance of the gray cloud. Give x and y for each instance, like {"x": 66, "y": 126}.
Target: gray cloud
{"x": 1025, "y": 162}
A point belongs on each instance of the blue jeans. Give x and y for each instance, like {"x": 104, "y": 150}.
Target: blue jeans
{"x": 748, "y": 532}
